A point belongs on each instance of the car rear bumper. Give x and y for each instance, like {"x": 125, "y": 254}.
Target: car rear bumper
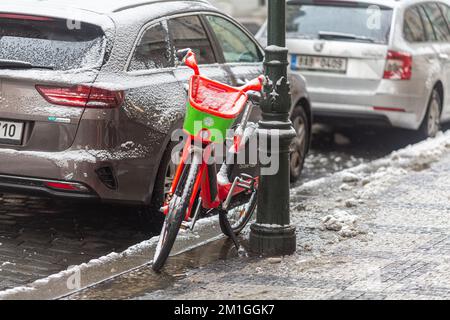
{"x": 45, "y": 187}
{"x": 28, "y": 172}
{"x": 350, "y": 119}
{"x": 367, "y": 115}
{"x": 400, "y": 104}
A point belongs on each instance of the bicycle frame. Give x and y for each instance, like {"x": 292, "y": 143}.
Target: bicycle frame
{"x": 212, "y": 194}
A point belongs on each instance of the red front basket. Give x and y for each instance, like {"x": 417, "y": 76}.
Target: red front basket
{"x": 216, "y": 98}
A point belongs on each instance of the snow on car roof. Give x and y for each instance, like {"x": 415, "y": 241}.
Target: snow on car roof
{"x": 386, "y": 3}
{"x": 98, "y": 6}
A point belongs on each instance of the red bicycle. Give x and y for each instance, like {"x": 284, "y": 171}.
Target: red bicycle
{"x": 212, "y": 110}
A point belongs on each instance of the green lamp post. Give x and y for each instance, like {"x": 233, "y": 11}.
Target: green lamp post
{"x": 272, "y": 234}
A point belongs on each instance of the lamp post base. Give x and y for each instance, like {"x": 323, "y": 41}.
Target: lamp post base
{"x": 272, "y": 240}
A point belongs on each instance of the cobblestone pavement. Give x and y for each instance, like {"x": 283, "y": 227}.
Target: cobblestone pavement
{"x": 390, "y": 239}
{"x": 39, "y": 237}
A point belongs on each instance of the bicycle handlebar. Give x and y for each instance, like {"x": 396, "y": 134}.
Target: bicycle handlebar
{"x": 254, "y": 85}
{"x": 189, "y": 59}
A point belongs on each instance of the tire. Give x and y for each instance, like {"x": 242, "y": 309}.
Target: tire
{"x": 177, "y": 212}
{"x": 299, "y": 144}
{"x": 431, "y": 123}
{"x": 244, "y": 212}
{"x": 164, "y": 178}
{"x": 150, "y": 216}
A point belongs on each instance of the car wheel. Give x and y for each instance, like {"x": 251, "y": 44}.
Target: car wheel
{"x": 299, "y": 146}
{"x": 152, "y": 217}
{"x": 432, "y": 122}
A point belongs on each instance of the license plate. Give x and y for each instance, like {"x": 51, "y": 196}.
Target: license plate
{"x": 317, "y": 63}
{"x": 11, "y": 132}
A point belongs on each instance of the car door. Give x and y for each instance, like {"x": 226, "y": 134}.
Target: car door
{"x": 155, "y": 97}
{"x": 240, "y": 52}
{"x": 441, "y": 45}
{"x": 420, "y": 37}
{"x": 188, "y": 31}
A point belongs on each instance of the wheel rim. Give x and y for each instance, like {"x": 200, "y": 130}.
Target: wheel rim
{"x": 239, "y": 216}
{"x": 433, "y": 118}
{"x": 236, "y": 216}
{"x": 298, "y": 146}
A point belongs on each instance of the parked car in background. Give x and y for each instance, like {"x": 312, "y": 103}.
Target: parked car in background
{"x": 91, "y": 92}
{"x": 373, "y": 62}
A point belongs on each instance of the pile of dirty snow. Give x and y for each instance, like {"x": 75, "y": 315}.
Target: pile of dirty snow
{"x": 342, "y": 222}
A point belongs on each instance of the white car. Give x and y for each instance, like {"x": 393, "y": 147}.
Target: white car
{"x": 373, "y": 62}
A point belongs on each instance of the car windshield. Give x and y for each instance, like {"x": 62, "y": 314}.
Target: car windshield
{"x": 51, "y": 43}
{"x": 343, "y": 22}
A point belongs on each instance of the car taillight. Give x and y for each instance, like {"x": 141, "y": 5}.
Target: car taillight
{"x": 81, "y": 96}
{"x": 24, "y": 17}
{"x": 398, "y": 66}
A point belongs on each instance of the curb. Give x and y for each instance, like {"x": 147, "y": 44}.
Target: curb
{"x": 77, "y": 278}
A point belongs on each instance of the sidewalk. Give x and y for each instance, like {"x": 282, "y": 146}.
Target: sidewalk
{"x": 377, "y": 231}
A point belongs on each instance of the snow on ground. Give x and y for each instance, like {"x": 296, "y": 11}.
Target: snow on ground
{"x": 342, "y": 222}
{"x": 323, "y": 203}
{"x": 414, "y": 157}
{"x": 352, "y": 242}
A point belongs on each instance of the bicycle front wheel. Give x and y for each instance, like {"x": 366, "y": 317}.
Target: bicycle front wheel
{"x": 178, "y": 207}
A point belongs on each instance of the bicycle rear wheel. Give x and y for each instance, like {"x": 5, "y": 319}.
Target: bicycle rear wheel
{"x": 177, "y": 212}
{"x": 239, "y": 216}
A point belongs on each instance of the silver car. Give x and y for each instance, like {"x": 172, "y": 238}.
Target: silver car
{"x": 373, "y": 62}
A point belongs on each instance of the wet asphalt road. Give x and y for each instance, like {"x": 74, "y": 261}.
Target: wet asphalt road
{"x": 39, "y": 237}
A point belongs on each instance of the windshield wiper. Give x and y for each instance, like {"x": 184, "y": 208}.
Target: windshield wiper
{"x": 17, "y": 64}
{"x": 344, "y": 36}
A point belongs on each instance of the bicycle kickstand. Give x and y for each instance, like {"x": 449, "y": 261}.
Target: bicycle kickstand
{"x": 230, "y": 230}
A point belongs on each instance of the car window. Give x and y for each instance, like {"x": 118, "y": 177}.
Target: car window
{"x": 236, "y": 45}
{"x": 356, "y": 20}
{"x": 152, "y": 52}
{"x": 413, "y": 26}
{"x": 188, "y": 32}
{"x": 429, "y": 31}
{"x": 439, "y": 23}
{"x": 48, "y": 42}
